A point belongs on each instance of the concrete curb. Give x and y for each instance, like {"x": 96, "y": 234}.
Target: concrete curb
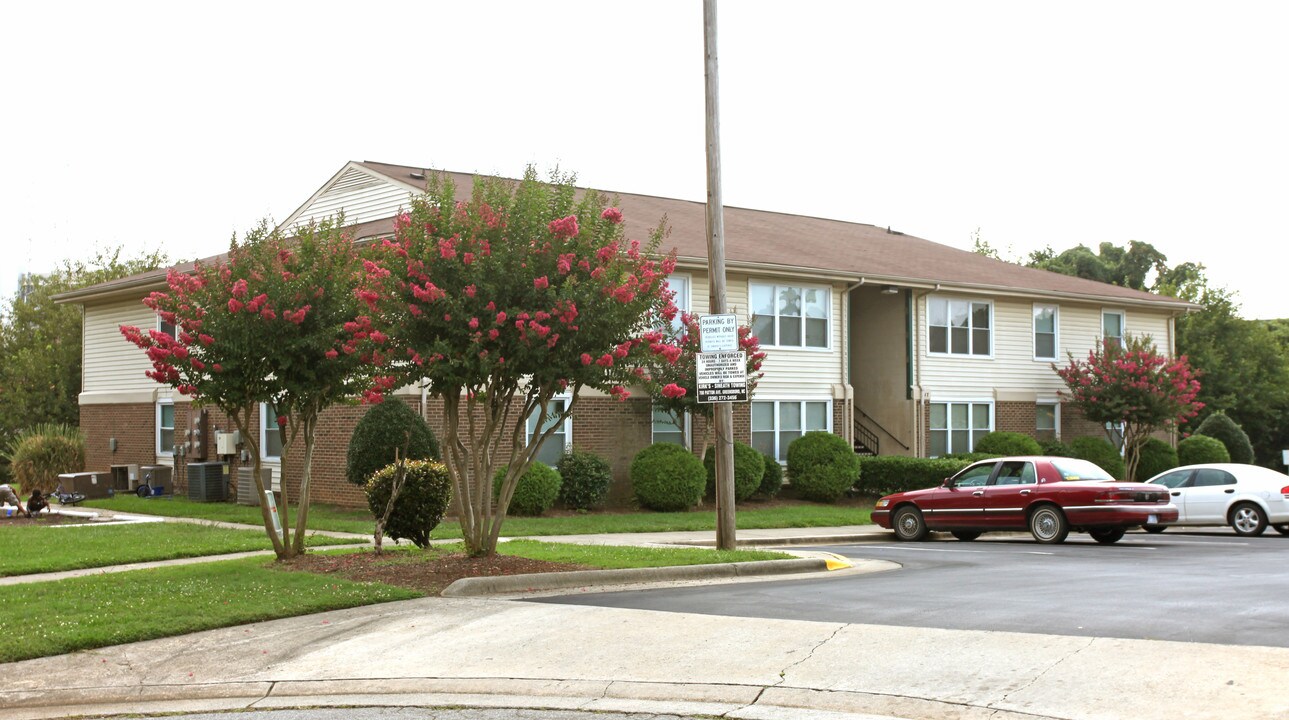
{"x": 800, "y": 540}
{"x": 509, "y": 584}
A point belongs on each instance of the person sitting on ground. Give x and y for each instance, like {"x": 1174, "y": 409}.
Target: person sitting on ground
{"x": 8, "y": 496}
{"x": 36, "y": 503}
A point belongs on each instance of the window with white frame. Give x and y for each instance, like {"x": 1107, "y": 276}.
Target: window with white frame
{"x": 790, "y": 315}
{"x": 956, "y": 426}
{"x": 959, "y": 327}
{"x": 1112, "y": 325}
{"x": 165, "y": 428}
{"x": 1047, "y": 420}
{"x": 776, "y": 423}
{"x": 544, "y": 419}
{"x": 167, "y": 328}
{"x": 682, "y": 286}
{"x": 1046, "y": 319}
{"x": 270, "y": 433}
{"x": 668, "y": 428}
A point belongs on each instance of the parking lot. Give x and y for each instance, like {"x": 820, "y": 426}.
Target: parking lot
{"x": 1209, "y": 586}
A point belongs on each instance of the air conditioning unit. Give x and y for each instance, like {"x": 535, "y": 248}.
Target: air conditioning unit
{"x": 246, "y": 494}
{"x": 206, "y": 482}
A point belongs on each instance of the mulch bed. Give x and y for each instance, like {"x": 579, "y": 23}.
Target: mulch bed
{"x": 43, "y": 519}
{"x": 427, "y": 571}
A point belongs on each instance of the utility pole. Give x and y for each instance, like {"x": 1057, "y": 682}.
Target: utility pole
{"x": 723, "y": 415}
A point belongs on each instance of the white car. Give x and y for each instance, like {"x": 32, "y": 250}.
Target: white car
{"x": 1246, "y": 497}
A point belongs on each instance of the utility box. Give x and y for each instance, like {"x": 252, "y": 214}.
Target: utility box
{"x": 246, "y": 493}
{"x": 198, "y": 436}
{"x": 158, "y": 477}
{"x": 90, "y": 484}
{"x": 125, "y": 478}
{"x": 226, "y": 443}
{"x": 207, "y": 482}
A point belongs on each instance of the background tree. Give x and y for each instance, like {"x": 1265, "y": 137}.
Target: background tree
{"x": 1133, "y": 384}
{"x": 277, "y": 322}
{"x": 504, "y": 301}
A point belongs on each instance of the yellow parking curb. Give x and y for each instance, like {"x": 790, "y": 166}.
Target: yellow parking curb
{"x": 837, "y": 562}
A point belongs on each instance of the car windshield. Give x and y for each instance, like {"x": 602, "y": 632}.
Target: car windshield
{"x": 1073, "y": 469}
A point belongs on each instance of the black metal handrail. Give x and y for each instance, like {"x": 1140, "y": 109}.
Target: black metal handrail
{"x": 868, "y": 438}
{"x": 879, "y": 427}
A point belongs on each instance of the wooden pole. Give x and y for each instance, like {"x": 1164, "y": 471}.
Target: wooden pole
{"x": 723, "y": 415}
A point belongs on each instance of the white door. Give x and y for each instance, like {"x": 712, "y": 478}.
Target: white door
{"x": 1176, "y": 481}
{"x": 1208, "y": 496}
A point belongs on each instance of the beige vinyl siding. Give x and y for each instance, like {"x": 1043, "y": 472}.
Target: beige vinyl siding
{"x": 112, "y": 364}
{"x": 362, "y": 197}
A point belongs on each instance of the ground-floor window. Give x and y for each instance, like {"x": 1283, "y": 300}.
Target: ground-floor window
{"x": 544, "y": 419}
{"x": 1047, "y": 421}
{"x": 270, "y": 433}
{"x": 668, "y": 428}
{"x": 956, "y": 426}
{"x": 165, "y": 428}
{"x": 776, "y": 423}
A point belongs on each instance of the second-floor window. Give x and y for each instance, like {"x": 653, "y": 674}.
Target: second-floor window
{"x": 1112, "y": 323}
{"x": 1045, "y": 322}
{"x": 959, "y": 327}
{"x": 681, "y": 286}
{"x": 790, "y": 315}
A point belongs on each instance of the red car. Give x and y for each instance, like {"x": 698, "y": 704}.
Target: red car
{"x": 1049, "y": 496}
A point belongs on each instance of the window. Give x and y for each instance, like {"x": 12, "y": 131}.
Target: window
{"x": 681, "y": 285}
{"x": 165, "y": 428}
{"x": 1174, "y": 479}
{"x": 667, "y": 428}
{"x": 1016, "y": 472}
{"x": 1209, "y": 477}
{"x": 775, "y": 424}
{"x": 974, "y": 476}
{"x": 1112, "y": 324}
{"x": 167, "y": 328}
{"x": 540, "y": 422}
{"x": 270, "y": 433}
{"x": 959, "y": 327}
{"x": 956, "y": 426}
{"x": 786, "y": 316}
{"x": 1047, "y": 416}
{"x": 1045, "y": 339}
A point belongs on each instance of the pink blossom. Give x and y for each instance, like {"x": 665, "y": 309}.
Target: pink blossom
{"x": 612, "y": 214}
{"x": 565, "y": 227}
{"x": 235, "y": 305}
{"x": 586, "y": 359}
{"x": 239, "y": 288}
{"x": 474, "y": 323}
{"x": 606, "y": 360}
{"x": 467, "y": 258}
{"x": 541, "y": 283}
{"x": 672, "y": 390}
{"x": 331, "y": 354}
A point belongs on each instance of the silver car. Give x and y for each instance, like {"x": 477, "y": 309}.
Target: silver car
{"x": 1246, "y": 497}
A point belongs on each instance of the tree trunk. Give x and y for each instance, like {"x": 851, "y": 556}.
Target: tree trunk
{"x": 243, "y": 424}
{"x": 302, "y": 511}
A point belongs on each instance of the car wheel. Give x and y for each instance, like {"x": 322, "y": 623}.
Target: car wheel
{"x": 908, "y": 524}
{"x": 1048, "y": 525}
{"x": 1154, "y": 528}
{"x": 965, "y": 535}
{"x": 1282, "y": 528}
{"x": 1248, "y": 519}
{"x": 1107, "y": 536}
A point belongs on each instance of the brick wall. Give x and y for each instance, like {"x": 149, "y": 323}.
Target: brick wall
{"x": 133, "y": 426}
{"x": 1017, "y": 417}
{"x": 615, "y": 431}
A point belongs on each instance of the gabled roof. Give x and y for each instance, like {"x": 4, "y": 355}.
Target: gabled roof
{"x": 755, "y": 241}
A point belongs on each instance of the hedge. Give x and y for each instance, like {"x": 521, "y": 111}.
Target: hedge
{"x": 667, "y": 477}
{"x": 387, "y": 427}
{"x": 749, "y": 470}
{"x": 886, "y": 474}
{"x": 1008, "y": 443}
{"x": 586, "y": 479}
{"x": 535, "y": 492}
{"x": 426, "y": 492}
{"x": 1229, "y": 433}
{"x": 1101, "y": 453}
{"x": 822, "y": 466}
{"x": 1156, "y": 457}
{"x": 1198, "y": 449}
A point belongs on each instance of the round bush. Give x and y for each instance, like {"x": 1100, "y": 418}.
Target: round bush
{"x": 39, "y": 455}
{"x": 426, "y": 492}
{"x": 1156, "y": 457}
{"x": 772, "y": 477}
{"x": 1056, "y": 448}
{"x": 384, "y": 429}
{"x": 667, "y": 477}
{"x": 1229, "y": 433}
{"x": 1201, "y": 449}
{"x": 822, "y": 466}
{"x": 1008, "y": 443}
{"x": 535, "y": 492}
{"x": 749, "y": 467}
{"x": 1099, "y": 452}
{"x": 586, "y": 478}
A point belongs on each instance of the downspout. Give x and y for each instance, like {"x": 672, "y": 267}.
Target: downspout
{"x": 915, "y": 369}
{"x": 847, "y": 351}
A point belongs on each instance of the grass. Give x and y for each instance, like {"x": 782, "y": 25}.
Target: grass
{"x": 629, "y": 556}
{"x": 29, "y": 549}
{"x": 321, "y": 517}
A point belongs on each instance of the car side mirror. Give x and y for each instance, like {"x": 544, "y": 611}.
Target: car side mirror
{"x": 947, "y": 482}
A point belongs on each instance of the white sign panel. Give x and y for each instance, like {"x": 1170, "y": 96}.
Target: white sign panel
{"x": 718, "y": 333}
{"x": 722, "y": 377}
{"x": 1286, "y": 458}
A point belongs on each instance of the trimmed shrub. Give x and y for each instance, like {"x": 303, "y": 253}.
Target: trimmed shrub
{"x": 380, "y": 432}
{"x": 1156, "y": 457}
{"x": 822, "y": 466}
{"x": 426, "y": 492}
{"x": 886, "y": 474}
{"x": 1099, "y": 452}
{"x": 1229, "y": 433}
{"x": 667, "y": 477}
{"x": 971, "y": 456}
{"x": 1202, "y": 449}
{"x": 585, "y": 479}
{"x": 39, "y": 455}
{"x": 771, "y": 477}
{"x": 1056, "y": 448}
{"x": 1008, "y": 443}
{"x": 535, "y": 492}
{"x": 749, "y": 467}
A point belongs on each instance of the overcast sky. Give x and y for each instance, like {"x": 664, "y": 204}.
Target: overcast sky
{"x": 173, "y": 124}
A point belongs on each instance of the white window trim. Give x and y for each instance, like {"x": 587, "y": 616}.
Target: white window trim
{"x": 802, "y": 287}
{"x": 778, "y": 402}
{"x": 993, "y": 328}
{"x": 1123, "y": 324}
{"x": 685, "y": 429}
{"x": 1056, "y": 332}
{"x": 1055, "y": 402}
{"x": 264, "y": 415}
{"x": 161, "y": 328}
{"x": 156, "y": 444}
{"x": 687, "y": 302}
{"x": 568, "y": 424}
{"x": 993, "y": 418}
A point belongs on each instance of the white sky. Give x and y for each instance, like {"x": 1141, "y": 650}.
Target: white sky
{"x": 174, "y": 124}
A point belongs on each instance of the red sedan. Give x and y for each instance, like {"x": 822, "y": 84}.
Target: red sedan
{"x": 1049, "y": 496}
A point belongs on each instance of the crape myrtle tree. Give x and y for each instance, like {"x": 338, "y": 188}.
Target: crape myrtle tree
{"x": 503, "y": 302}
{"x": 1133, "y": 384}
{"x": 675, "y": 382}
{"x": 277, "y": 321}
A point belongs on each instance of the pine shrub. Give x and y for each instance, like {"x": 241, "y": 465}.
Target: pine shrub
{"x": 1099, "y": 452}
{"x": 772, "y": 477}
{"x": 667, "y": 477}
{"x": 822, "y": 466}
{"x": 426, "y": 492}
{"x": 1008, "y": 443}
{"x": 1156, "y": 457}
{"x": 749, "y": 469}
{"x": 383, "y": 430}
{"x": 586, "y": 478}
{"x": 37, "y": 456}
{"x": 1198, "y": 449}
{"x": 1220, "y": 426}
{"x": 535, "y": 492}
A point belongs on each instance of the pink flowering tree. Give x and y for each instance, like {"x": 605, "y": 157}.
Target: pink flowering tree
{"x": 1133, "y": 384}
{"x": 277, "y": 322}
{"x": 504, "y": 301}
{"x": 672, "y": 377}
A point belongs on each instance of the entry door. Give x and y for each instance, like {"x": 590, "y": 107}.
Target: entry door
{"x": 1210, "y": 492}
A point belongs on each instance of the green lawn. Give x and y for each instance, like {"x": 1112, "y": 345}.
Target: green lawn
{"x": 630, "y": 556}
{"x": 28, "y": 549}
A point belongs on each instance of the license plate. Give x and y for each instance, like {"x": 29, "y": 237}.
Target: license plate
{"x": 1152, "y": 519}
